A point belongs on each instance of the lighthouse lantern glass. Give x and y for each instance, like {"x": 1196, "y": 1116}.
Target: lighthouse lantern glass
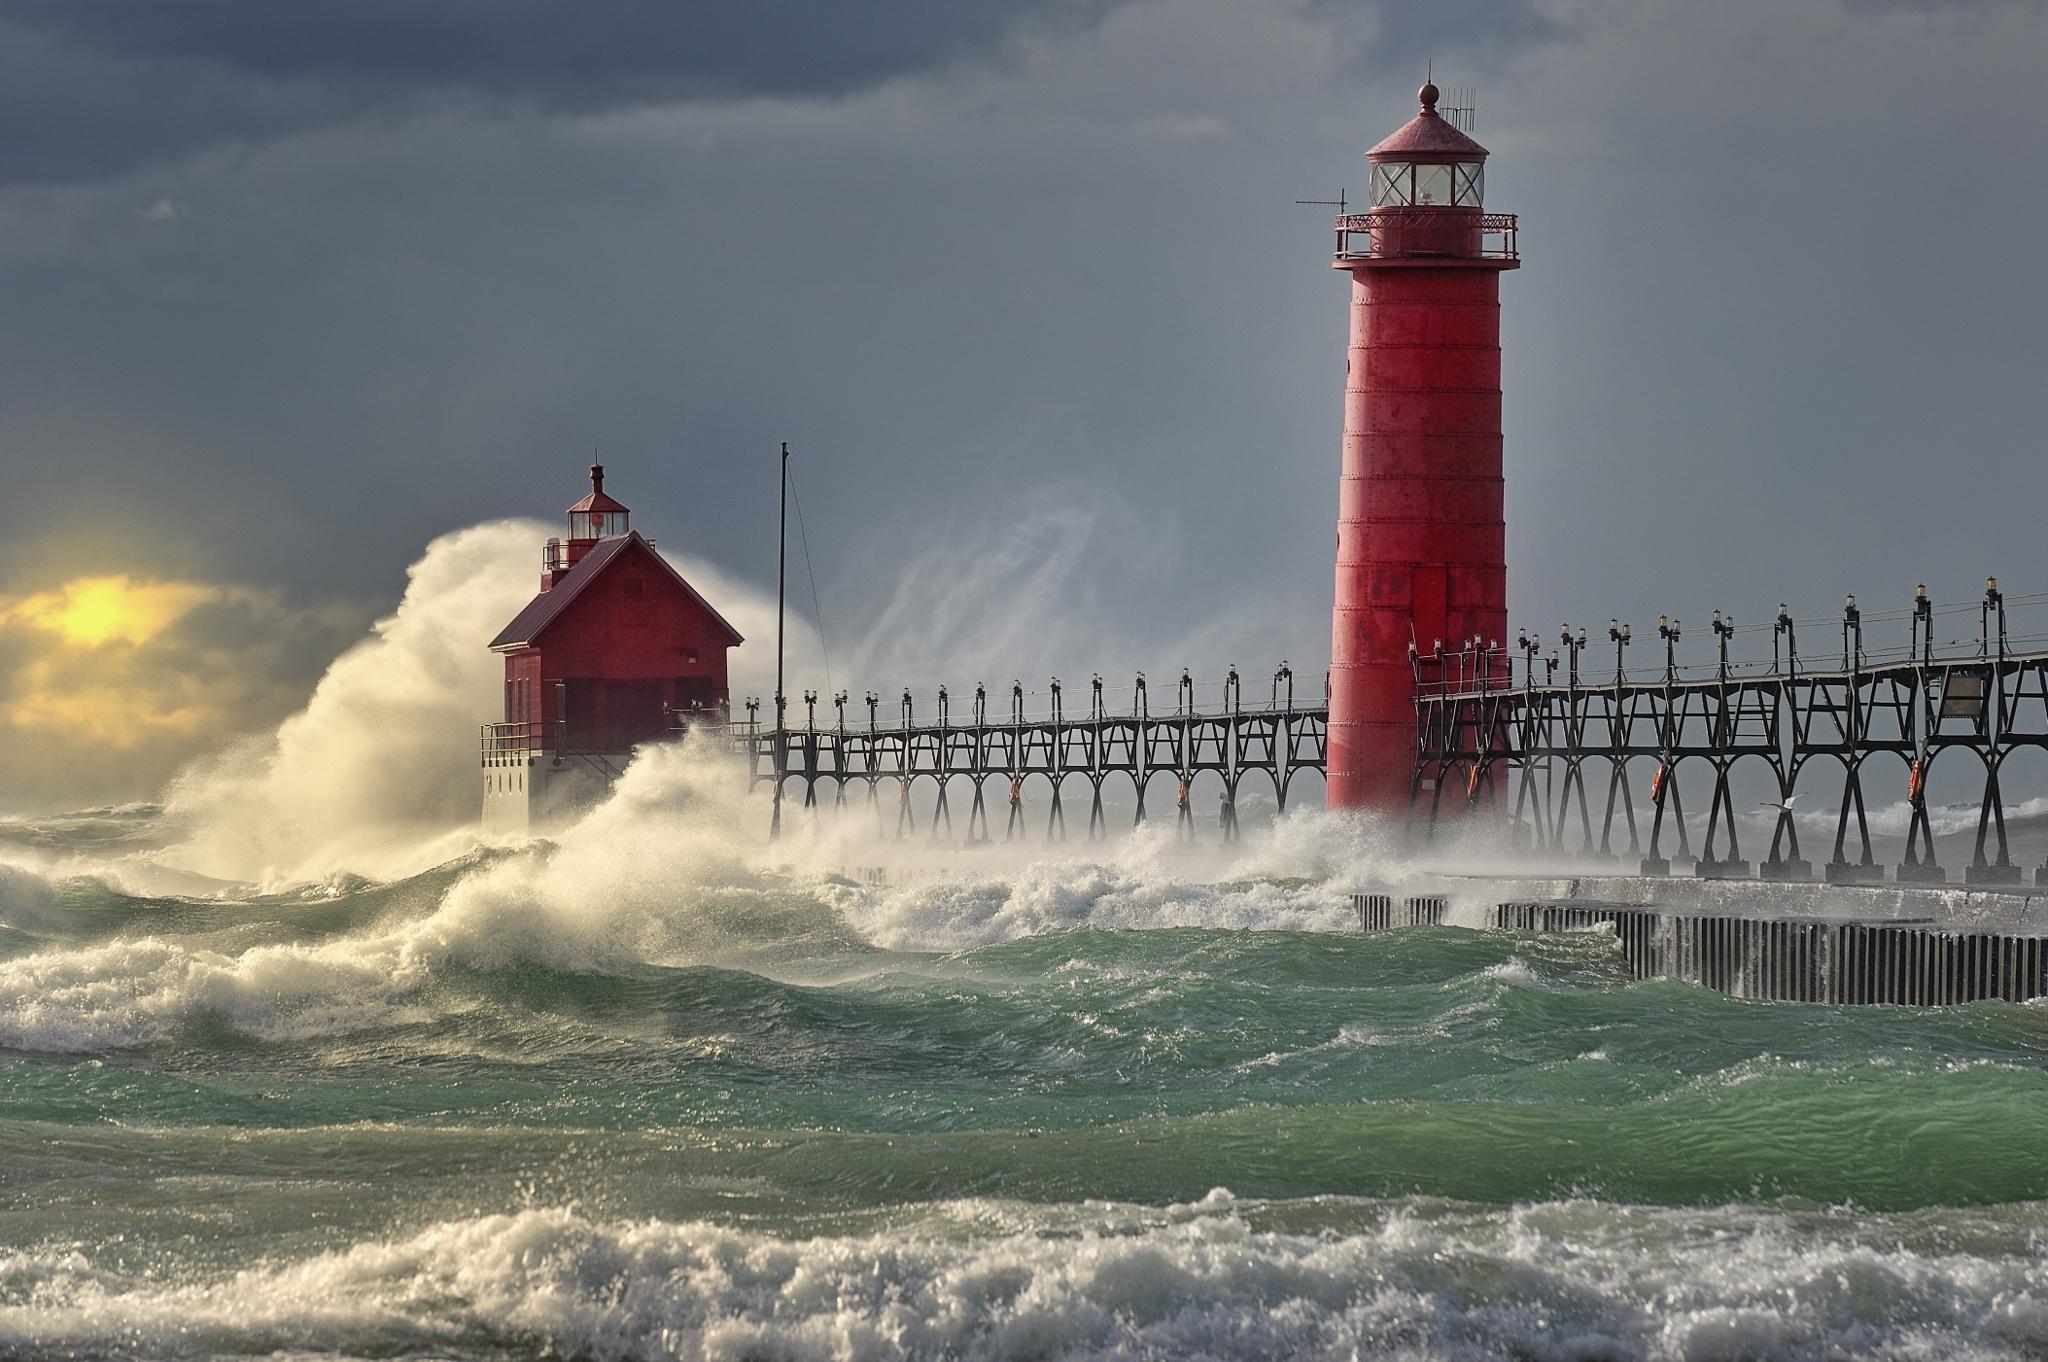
{"x": 1460, "y": 184}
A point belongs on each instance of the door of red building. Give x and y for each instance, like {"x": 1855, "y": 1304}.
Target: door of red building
{"x": 634, "y": 713}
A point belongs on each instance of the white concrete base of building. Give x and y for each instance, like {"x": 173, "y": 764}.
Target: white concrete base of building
{"x": 532, "y": 794}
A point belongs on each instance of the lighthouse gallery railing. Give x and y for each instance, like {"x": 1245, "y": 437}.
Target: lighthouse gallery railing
{"x": 1400, "y": 233}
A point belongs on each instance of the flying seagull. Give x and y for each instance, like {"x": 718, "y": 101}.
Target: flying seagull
{"x": 1785, "y": 807}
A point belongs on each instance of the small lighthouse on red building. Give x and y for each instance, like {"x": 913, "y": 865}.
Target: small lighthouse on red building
{"x": 1421, "y": 531}
{"x": 617, "y": 650}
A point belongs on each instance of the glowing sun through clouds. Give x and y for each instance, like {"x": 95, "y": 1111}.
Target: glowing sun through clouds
{"x": 110, "y": 681}
{"x": 101, "y": 680}
{"x": 91, "y": 611}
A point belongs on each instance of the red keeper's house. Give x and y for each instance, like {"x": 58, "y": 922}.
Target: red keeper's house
{"x": 616, "y": 650}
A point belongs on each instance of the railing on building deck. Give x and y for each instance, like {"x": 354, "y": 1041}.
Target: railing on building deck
{"x": 1423, "y": 233}
{"x": 511, "y": 744}
{"x": 555, "y": 557}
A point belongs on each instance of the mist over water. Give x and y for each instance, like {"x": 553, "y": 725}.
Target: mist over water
{"x": 292, "y": 1064}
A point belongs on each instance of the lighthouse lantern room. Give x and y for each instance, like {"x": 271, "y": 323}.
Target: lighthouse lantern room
{"x": 598, "y": 516}
{"x": 616, "y": 651}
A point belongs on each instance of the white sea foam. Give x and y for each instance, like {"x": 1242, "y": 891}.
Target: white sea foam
{"x": 1297, "y": 874}
{"x": 133, "y": 992}
{"x": 676, "y": 869}
{"x": 629, "y": 884}
{"x": 997, "y": 1280}
{"x": 1513, "y": 970}
{"x": 1125, "y": 888}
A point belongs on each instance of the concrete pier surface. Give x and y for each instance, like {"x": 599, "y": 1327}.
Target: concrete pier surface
{"x": 2018, "y": 910}
{"x": 1899, "y": 944}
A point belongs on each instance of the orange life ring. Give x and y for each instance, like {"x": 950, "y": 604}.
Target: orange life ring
{"x": 1472, "y": 784}
{"x": 1657, "y": 779}
{"x": 1182, "y": 798}
{"x": 1916, "y": 784}
{"x": 903, "y": 790}
{"x": 1016, "y": 788}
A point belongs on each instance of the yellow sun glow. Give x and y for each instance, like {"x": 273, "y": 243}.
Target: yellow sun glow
{"x": 91, "y": 611}
{"x": 120, "y": 714}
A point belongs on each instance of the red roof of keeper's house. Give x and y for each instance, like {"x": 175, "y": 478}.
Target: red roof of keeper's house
{"x": 544, "y": 609}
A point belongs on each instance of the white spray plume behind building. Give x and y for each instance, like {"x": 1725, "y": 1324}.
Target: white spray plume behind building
{"x": 377, "y": 774}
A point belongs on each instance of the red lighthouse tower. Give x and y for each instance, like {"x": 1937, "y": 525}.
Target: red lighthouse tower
{"x": 1421, "y": 536}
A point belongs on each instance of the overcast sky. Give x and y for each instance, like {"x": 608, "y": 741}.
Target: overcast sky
{"x": 291, "y": 289}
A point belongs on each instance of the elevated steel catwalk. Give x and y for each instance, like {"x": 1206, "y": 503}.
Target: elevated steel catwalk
{"x": 1234, "y": 742}
{"x": 1506, "y": 737}
{"x": 1479, "y": 729}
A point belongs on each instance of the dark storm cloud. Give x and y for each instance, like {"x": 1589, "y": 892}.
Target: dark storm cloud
{"x": 1410, "y": 37}
{"x": 594, "y": 51}
{"x": 93, "y": 87}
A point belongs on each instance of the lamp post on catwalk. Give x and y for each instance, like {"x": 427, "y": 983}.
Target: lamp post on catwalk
{"x": 781, "y": 572}
{"x": 1421, "y": 532}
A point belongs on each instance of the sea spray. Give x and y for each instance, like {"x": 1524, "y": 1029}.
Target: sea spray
{"x": 673, "y": 870}
{"x": 377, "y": 774}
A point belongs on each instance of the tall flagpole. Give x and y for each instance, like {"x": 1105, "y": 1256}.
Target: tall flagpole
{"x": 781, "y": 573}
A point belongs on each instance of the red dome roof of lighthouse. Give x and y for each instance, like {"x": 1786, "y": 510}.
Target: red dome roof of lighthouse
{"x": 597, "y": 500}
{"x": 1427, "y": 137}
